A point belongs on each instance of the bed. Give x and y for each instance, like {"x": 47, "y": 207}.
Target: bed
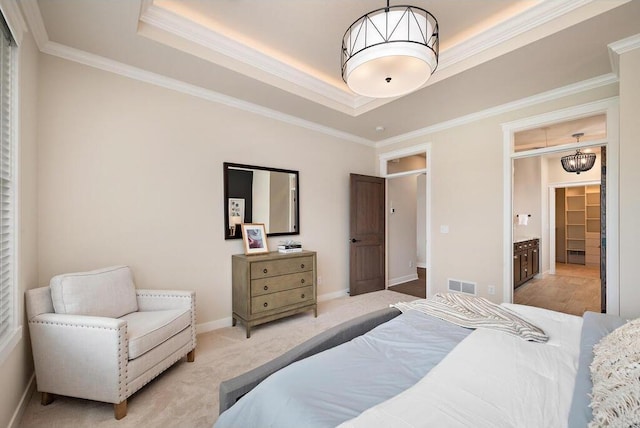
{"x": 409, "y": 369}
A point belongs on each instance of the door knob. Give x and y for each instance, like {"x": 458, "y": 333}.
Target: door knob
{"x": 354, "y": 240}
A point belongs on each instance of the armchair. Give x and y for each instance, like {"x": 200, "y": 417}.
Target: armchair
{"x": 95, "y": 336}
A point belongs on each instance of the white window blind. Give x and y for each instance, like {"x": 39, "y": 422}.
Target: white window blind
{"x": 7, "y": 186}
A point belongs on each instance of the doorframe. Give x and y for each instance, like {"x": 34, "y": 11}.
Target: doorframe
{"x": 552, "y": 215}
{"x": 609, "y": 107}
{"x": 383, "y": 159}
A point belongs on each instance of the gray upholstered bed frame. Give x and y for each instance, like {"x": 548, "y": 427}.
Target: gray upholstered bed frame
{"x": 233, "y": 389}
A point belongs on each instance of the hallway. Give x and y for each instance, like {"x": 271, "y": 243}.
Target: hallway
{"x": 417, "y": 287}
{"x": 574, "y": 289}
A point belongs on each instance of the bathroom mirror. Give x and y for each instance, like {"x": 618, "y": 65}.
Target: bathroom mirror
{"x": 257, "y": 194}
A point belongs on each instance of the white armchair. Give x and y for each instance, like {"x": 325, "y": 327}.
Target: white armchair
{"x": 95, "y": 336}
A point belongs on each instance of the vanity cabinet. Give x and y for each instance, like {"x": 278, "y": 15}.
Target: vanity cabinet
{"x": 271, "y": 286}
{"x": 526, "y": 261}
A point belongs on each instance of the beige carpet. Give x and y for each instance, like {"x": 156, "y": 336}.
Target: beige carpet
{"x": 186, "y": 395}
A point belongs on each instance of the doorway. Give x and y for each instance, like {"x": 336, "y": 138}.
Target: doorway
{"x": 406, "y": 234}
{"x": 608, "y": 139}
{"x": 408, "y": 206}
{"x": 571, "y": 282}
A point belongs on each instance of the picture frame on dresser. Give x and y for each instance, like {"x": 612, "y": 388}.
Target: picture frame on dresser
{"x": 254, "y": 237}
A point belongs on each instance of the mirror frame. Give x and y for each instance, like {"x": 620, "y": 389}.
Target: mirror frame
{"x": 226, "y": 166}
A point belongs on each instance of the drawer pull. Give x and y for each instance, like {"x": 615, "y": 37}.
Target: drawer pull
{"x": 264, "y": 270}
{"x": 302, "y": 297}
{"x": 302, "y": 266}
{"x": 266, "y": 287}
{"x": 302, "y": 281}
{"x": 265, "y": 304}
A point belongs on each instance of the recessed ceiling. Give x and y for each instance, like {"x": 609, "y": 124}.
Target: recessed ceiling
{"x": 282, "y": 57}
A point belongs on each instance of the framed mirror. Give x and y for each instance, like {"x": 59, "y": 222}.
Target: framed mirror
{"x": 257, "y": 194}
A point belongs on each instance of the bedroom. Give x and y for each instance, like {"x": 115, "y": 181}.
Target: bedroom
{"x": 118, "y": 170}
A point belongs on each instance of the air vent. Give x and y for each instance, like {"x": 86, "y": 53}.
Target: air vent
{"x": 459, "y": 286}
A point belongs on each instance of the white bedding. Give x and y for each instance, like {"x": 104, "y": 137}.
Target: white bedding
{"x": 492, "y": 380}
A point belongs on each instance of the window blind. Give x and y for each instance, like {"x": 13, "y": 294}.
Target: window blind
{"x": 7, "y": 186}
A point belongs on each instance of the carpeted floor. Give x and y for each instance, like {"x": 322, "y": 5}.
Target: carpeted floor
{"x": 186, "y": 395}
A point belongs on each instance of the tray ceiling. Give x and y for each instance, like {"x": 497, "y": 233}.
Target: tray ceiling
{"x": 284, "y": 56}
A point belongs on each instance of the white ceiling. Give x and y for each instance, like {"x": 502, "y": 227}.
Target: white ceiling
{"x": 282, "y": 57}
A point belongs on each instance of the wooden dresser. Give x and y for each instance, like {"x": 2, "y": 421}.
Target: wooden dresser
{"x": 270, "y": 286}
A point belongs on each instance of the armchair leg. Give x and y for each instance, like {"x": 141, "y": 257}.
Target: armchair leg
{"x": 191, "y": 356}
{"x": 120, "y": 410}
{"x": 46, "y": 398}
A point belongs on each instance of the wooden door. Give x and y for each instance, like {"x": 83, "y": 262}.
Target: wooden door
{"x": 366, "y": 241}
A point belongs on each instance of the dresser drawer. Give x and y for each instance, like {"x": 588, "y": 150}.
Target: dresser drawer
{"x": 280, "y": 283}
{"x": 281, "y": 299}
{"x": 270, "y": 268}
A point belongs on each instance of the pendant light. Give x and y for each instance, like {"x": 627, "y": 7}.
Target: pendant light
{"x": 390, "y": 51}
{"x": 580, "y": 162}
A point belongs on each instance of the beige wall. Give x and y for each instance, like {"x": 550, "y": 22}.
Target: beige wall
{"x": 467, "y": 195}
{"x": 629, "y": 180}
{"x": 17, "y": 369}
{"x": 132, "y": 173}
{"x": 402, "y": 229}
{"x": 527, "y": 195}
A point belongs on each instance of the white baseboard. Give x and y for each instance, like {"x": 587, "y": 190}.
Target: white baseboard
{"x": 334, "y": 295}
{"x": 402, "y": 279}
{"x": 213, "y": 325}
{"x": 24, "y": 401}
{"x": 421, "y": 265}
{"x": 227, "y": 322}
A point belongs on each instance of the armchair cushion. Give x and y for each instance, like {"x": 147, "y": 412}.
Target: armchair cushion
{"x": 108, "y": 292}
{"x": 146, "y": 330}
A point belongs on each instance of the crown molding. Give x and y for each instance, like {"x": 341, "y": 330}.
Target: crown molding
{"x": 622, "y": 46}
{"x": 554, "y": 94}
{"x": 15, "y": 21}
{"x": 254, "y": 63}
{"x": 626, "y": 45}
{"x": 509, "y": 29}
{"x": 240, "y": 57}
{"x": 106, "y": 64}
{"x": 36, "y": 25}
{"x": 34, "y": 19}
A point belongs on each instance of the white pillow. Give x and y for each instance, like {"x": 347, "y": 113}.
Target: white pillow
{"x": 615, "y": 372}
{"x": 108, "y": 292}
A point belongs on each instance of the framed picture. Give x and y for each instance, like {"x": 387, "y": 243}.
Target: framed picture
{"x": 235, "y": 214}
{"x": 254, "y": 237}
{"x": 236, "y": 209}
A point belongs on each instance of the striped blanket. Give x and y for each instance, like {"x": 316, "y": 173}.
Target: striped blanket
{"x": 475, "y": 312}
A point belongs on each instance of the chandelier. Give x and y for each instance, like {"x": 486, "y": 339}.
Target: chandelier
{"x": 580, "y": 162}
{"x": 390, "y": 51}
